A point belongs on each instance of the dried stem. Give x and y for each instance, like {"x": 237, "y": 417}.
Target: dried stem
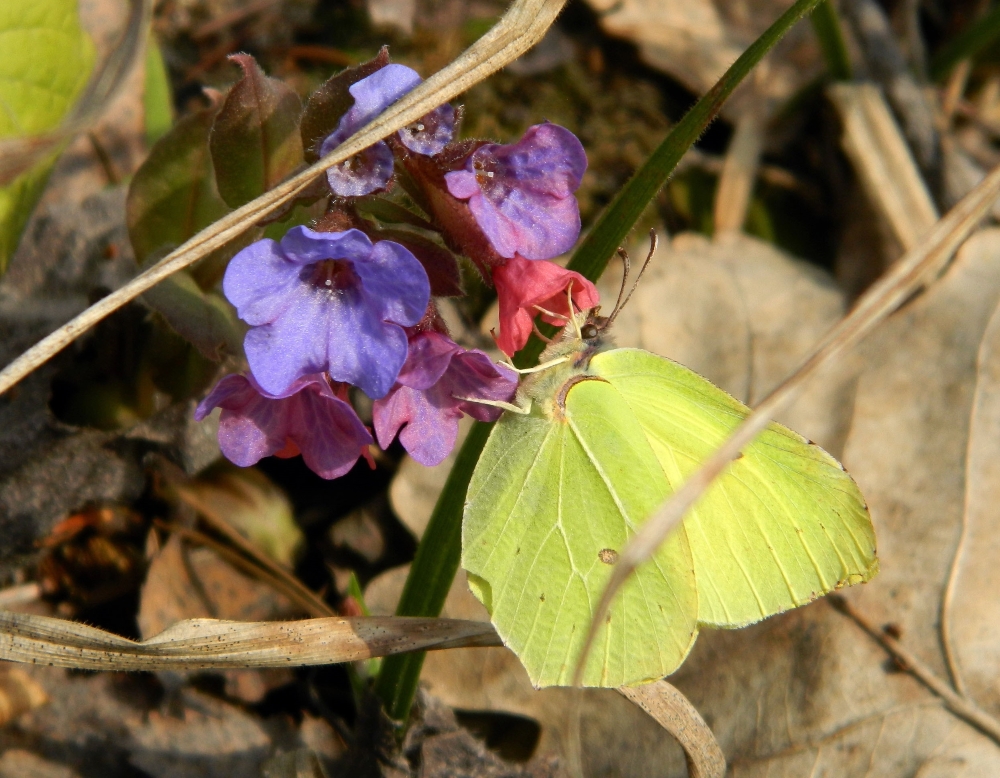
{"x": 962, "y": 707}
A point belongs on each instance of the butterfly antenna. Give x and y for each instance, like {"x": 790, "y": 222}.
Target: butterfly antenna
{"x": 653, "y": 242}
{"x": 627, "y": 263}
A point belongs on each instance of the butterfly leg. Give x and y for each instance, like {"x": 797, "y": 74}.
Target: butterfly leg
{"x": 536, "y": 368}
{"x": 523, "y": 410}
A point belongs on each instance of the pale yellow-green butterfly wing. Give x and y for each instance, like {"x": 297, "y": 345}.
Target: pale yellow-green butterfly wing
{"x": 784, "y": 525}
{"x": 549, "y": 507}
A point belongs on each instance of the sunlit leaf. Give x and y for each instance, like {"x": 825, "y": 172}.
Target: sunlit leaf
{"x": 45, "y": 60}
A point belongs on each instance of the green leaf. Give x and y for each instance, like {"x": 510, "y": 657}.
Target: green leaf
{"x": 45, "y": 63}
{"x": 967, "y": 44}
{"x": 204, "y": 319}
{"x": 558, "y": 494}
{"x": 157, "y": 100}
{"x": 255, "y": 141}
{"x": 173, "y": 194}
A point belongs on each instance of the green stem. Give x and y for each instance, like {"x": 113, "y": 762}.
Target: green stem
{"x": 440, "y": 549}
{"x": 431, "y": 574}
{"x": 831, "y": 41}
{"x": 966, "y": 44}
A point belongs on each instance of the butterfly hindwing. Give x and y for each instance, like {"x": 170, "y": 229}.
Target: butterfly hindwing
{"x": 550, "y": 506}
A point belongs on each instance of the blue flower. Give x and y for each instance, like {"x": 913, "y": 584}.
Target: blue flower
{"x": 371, "y": 170}
{"x": 327, "y": 301}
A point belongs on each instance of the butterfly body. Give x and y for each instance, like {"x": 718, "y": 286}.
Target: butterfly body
{"x": 611, "y": 434}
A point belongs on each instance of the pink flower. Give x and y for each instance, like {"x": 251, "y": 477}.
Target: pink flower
{"x": 306, "y": 418}
{"x": 524, "y": 286}
{"x": 425, "y": 402}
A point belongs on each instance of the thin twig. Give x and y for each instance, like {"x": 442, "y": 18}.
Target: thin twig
{"x": 962, "y": 707}
{"x": 905, "y": 277}
{"x": 311, "y": 605}
{"x": 518, "y": 30}
{"x": 290, "y": 584}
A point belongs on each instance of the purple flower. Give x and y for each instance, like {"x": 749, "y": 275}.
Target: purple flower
{"x": 424, "y": 401}
{"x": 522, "y": 195}
{"x": 307, "y": 418}
{"x": 326, "y": 301}
{"x": 371, "y": 170}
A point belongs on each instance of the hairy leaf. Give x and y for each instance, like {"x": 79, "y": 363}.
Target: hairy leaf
{"x": 255, "y": 141}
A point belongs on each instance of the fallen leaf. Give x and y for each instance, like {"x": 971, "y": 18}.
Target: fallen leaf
{"x": 696, "y": 40}
{"x": 17, "y": 763}
{"x": 808, "y": 690}
{"x": 210, "y": 739}
{"x": 251, "y": 503}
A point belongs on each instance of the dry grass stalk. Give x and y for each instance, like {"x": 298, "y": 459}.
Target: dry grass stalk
{"x": 212, "y": 643}
{"x": 883, "y": 161}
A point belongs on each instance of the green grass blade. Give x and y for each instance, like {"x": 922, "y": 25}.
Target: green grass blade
{"x": 966, "y": 44}
{"x": 431, "y": 574}
{"x": 439, "y": 552}
{"x": 831, "y": 41}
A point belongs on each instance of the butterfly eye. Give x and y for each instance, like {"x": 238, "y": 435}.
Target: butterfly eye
{"x": 588, "y": 331}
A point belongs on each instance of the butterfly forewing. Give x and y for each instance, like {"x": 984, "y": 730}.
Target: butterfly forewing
{"x": 784, "y": 525}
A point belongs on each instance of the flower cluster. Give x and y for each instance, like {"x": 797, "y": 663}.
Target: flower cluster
{"x": 350, "y": 303}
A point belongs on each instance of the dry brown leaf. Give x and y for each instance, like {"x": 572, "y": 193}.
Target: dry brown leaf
{"x": 696, "y": 40}
{"x": 19, "y": 693}
{"x": 212, "y": 643}
{"x": 973, "y": 618}
{"x": 742, "y": 313}
{"x": 17, "y": 763}
{"x": 185, "y": 582}
{"x": 808, "y": 690}
{"x": 209, "y": 739}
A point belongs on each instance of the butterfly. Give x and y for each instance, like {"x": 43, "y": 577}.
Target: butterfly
{"x": 600, "y": 437}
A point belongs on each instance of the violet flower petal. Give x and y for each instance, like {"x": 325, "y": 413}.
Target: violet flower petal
{"x": 303, "y": 246}
{"x": 366, "y": 172}
{"x": 254, "y": 424}
{"x": 362, "y": 349}
{"x": 374, "y": 94}
{"x": 395, "y": 284}
{"x": 428, "y": 432}
{"x": 521, "y": 195}
{"x": 258, "y": 280}
{"x": 429, "y": 356}
{"x": 329, "y": 434}
{"x": 431, "y": 133}
{"x": 426, "y": 419}
{"x": 294, "y": 344}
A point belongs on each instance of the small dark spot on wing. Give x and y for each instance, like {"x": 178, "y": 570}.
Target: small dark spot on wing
{"x": 608, "y": 555}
